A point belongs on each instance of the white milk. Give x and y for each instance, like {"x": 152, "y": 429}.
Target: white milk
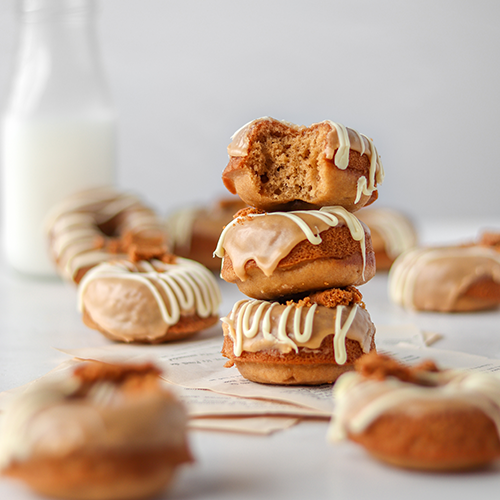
{"x": 45, "y": 160}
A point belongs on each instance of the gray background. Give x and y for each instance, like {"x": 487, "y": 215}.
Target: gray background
{"x": 421, "y": 78}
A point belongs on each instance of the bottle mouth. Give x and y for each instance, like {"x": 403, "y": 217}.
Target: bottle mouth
{"x": 56, "y": 9}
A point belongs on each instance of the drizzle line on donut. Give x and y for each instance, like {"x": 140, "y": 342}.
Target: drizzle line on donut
{"x": 327, "y": 216}
{"x": 341, "y": 134}
{"x": 187, "y": 285}
{"x": 250, "y": 317}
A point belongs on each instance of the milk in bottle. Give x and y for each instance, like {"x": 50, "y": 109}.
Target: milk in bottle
{"x": 58, "y": 129}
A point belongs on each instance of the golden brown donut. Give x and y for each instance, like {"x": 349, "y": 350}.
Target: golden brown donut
{"x": 194, "y": 231}
{"x": 149, "y": 301}
{"x": 97, "y": 225}
{"x": 110, "y": 432}
{"x": 306, "y": 342}
{"x": 278, "y": 254}
{"x": 276, "y": 165}
{"x": 392, "y": 234}
{"x": 419, "y": 418}
{"x": 448, "y": 279}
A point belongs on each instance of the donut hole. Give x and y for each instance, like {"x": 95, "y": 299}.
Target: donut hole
{"x": 111, "y": 227}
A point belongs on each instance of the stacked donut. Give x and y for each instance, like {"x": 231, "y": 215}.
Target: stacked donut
{"x": 298, "y": 252}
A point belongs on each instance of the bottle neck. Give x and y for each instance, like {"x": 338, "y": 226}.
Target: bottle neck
{"x": 58, "y": 64}
{"x": 69, "y": 40}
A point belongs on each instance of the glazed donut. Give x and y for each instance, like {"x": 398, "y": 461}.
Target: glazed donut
{"x": 149, "y": 301}
{"x": 447, "y": 279}
{"x": 419, "y": 418}
{"x": 392, "y": 234}
{"x": 276, "y": 165}
{"x": 102, "y": 224}
{"x": 110, "y": 432}
{"x": 309, "y": 342}
{"x": 194, "y": 231}
{"x": 278, "y": 254}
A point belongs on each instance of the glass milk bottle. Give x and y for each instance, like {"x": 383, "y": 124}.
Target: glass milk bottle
{"x": 58, "y": 130}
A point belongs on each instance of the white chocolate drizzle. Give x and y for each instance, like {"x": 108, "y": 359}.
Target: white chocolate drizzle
{"x": 267, "y": 253}
{"x": 186, "y": 285}
{"x": 341, "y": 333}
{"x": 340, "y": 134}
{"x": 360, "y": 401}
{"x": 250, "y": 317}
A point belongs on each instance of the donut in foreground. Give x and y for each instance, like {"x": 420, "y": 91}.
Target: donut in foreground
{"x": 392, "y": 234}
{"x": 276, "y": 165}
{"x": 278, "y": 254}
{"x": 306, "y": 342}
{"x": 448, "y": 279}
{"x": 149, "y": 301}
{"x": 420, "y": 417}
{"x": 102, "y": 224}
{"x": 110, "y": 432}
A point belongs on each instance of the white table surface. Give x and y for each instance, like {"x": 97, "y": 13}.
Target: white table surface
{"x": 36, "y": 316}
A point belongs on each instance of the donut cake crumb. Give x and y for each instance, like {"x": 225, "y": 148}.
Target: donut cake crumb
{"x": 337, "y": 297}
